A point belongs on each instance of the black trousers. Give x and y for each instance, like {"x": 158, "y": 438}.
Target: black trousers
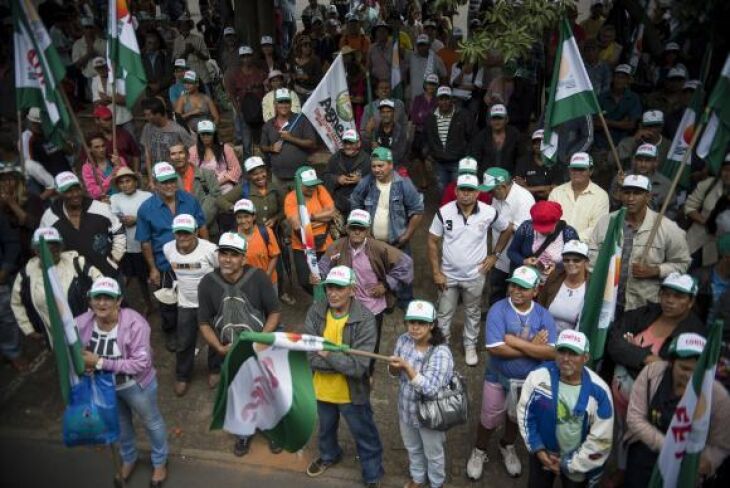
{"x": 187, "y": 336}
{"x": 379, "y": 326}
{"x": 168, "y": 313}
{"x": 542, "y": 478}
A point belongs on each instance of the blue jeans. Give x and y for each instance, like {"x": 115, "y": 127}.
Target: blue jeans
{"x": 243, "y": 133}
{"x": 9, "y": 330}
{"x": 446, "y": 172}
{"x": 143, "y": 402}
{"x": 359, "y": 419}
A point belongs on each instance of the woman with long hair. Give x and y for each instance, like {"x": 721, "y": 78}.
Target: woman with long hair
{"x": 210, "y": 153}
{"x": 99, "y": 171}
{"x": 194, "y": 106}
{"x": 306, "y": 68}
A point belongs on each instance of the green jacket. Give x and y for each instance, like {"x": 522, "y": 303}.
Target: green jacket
{"x": 206, "y": 191}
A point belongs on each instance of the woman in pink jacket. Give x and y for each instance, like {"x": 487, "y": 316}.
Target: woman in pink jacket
{"x": 117, "y": 340}
{"x": 210, "y": 153}
{"x": 98, "y": 171}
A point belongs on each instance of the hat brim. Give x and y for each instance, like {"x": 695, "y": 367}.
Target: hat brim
{"x": 679, "y": 289}
{"x": 571, "y": 347}
{"x": 522, "y": 283}
{"x": 243, "y": 210}
{"x": 231, "y": 248}
{"x": 415, "y": 318}
{"x": 497, "y": 116}
{"x": 106, "y": 293}
{"x": 67, "y": 187}
{"x": 279, "y": 100}
{"x": 256, "y": 167}
{"x": 487, "y": 187}
{"x": 633, "y": 187}
{"x": 183, "y": 228}
{"x": 685, "y": 354}
{"x": 575, "y": 253}
{"x": 468, "y": 187}
{"x": 544, "y": 228}
{"x": 579, "y": 166}
{"x": 358, "y": 223}
{"x": 341, "y": 284}
{"x": 162, "y": 179}
{"x": 350, "y": 139}
{"x": 131, "y": 175}
{"x": 312, "y": 183}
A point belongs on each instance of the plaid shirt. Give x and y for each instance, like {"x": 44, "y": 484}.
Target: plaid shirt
{"x": 429, "y": 380}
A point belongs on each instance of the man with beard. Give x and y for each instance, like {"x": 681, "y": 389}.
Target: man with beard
{"x": 345, "y": 169}
{"x": 387, "y": 133}
{"x": 565, "y": 414}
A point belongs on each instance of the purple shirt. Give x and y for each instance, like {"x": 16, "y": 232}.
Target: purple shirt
{"x": 366, "y": 279}
{"x": 421, "y": 109}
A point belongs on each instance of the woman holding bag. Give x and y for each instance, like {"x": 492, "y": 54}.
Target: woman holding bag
{"x": 423, "y": 362}
{"x": 117, "y": 340}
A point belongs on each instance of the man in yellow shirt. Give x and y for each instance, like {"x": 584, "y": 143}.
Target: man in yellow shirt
{"x": 341, "y": 381}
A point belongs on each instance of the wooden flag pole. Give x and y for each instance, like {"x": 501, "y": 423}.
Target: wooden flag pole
{"x": 619, "y": 168}
{"x": 114, "y": 111}
{"x": 672, "y": 188}
{"x": 75, "y": 122}
{"x": 367, "y": 354}
{"x": 21, "y": 152}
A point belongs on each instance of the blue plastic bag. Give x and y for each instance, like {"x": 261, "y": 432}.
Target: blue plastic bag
{"x": 91, "y": 414}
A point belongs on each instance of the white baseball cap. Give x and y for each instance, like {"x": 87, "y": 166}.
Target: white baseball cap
{"x": 637, "y": 181}
{"x": 386, "y": 102}
{"x": 163, "y": 171}
{"x": 184, "y": 222}
{"x": 682, "y": 283}
{"x": 190, "y": 75}
{"x": 538, "y": 134}
{"x": 244, "y": 205}
{"x": 443, "y": 91}
{"x": 98, "y": 62}
{"x": 468, "y": 165}
{"x": 350, "y": 135}
{"x": 420, "y": 311}
{"x": 105, "y": 286}
{"x": 525, "y": 277}
{"x": 49, "y": 234}
{"x": 431, "y": 78}
{"x": 34, "y": 115}
{"x": 180, "y": 63}
{"x": 576, "y": 247}
{"x": 647, "y": 151}
{"x": 274, "y": 73}
{"x": 580, "y": 160}
{"x": 498, "y": 111}
{"x": 467, "y": 181}
{"x": 340, "y": 276}
{"x": 573, "y": 340}
{"x": 206, "y": 127}
{"x": 282, "y": 94}
{"x": 267, "y": 40}
{"x": 678, "y": 71}
{"x": 652, "y": 117}
{"x": 423, "y": 39}
{"x": 233, "y": 241}
{"x": 691, "y": 85}
{"x": 252, "y": 163}
{"x": 309, "y": 176}
{"x": 359, "y": 217}
{"x": 229, "y": 31}
{"x": 623, "y": 68}
{"x": 245, "y": 50}
{"x": 687, "y": 345}
{"x": 65, "y": 180}
{"x": 671, "y": 46}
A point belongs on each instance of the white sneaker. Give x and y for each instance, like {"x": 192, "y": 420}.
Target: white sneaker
{"x": 475, "y": 465}
{"x": 511, "y": 461}
{"x": 470, "y": 356}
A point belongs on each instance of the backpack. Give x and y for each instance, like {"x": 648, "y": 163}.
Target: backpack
{"x": 78, "y": 290}
{"x": 235, "y": 312}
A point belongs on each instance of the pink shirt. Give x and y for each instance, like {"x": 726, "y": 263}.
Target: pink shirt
{"x": 100, "y": 188}
{"x": 366, "y": 279}
{"x": 228, "y": 172}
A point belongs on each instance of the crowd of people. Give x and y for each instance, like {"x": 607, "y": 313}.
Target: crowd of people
{"x": 195, "y": 207}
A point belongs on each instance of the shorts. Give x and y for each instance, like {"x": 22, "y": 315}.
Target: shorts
{"x": 494, "y": 405}
{"x": 134, "y": 266}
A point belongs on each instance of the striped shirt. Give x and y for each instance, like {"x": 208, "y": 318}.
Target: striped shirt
{"x": 429, "y": 380}
{"x": 443, "y": 121}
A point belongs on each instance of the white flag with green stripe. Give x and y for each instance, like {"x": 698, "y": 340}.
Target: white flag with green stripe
{"x": 123, "y": 52}
{"x": 679, "y": 459}
{"x": 38, "y": 70}
{"x": 715, "y": 141}
{"x": 571, "y": 92}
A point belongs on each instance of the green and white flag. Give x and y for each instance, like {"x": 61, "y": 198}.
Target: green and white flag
{"x": 713, "y": 145}
{"x": 66, "y": 343}
{"x": 38, "y": 70}
{"x": 123, "y": 52}
{"x": 679, "y": 459}
{"x": 396, "y": 81}
{"x": 599, "y": 306}
{"x": 266, "y": 385}
{"x": 571, "y": 92}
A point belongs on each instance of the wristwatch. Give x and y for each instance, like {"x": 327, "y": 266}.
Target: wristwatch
{"x": 99, "y": 364}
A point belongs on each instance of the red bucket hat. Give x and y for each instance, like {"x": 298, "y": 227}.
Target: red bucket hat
{"x": 545, "y": 215}
{"x": 102, "y": 112}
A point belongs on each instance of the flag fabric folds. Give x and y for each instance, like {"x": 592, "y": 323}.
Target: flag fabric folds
{"x": 295, "y": 342}
{"x": 599, "y": 306}
{"x": 306, "y": 232}
{"x": 66, "y": 343}
{"x": 123, "y": 52}
{"x": 713, "y": 145}
{"x": 267, "y": 388}
{"x": 396, "y": 81}
{"x": 682, "y": 140}
{"x": 39, "y": 71}
{"x": 571, "y": 92}
{"x": 329, "y": 109}
{"x": 679, "y": 459}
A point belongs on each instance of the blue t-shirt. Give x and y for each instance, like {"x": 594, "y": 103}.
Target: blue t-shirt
{"x": 154, "y": 222}
{"x": 503, "y": 319}
{"x": 176, "y": 90}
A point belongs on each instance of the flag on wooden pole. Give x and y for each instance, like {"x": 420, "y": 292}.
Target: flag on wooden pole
{"x": 713, "y": 146}
{"x": 125, "y": 61}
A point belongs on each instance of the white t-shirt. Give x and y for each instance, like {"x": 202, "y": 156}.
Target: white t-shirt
{"x": 123, "y": 204}
{"x": 381, "y": 220}
{"x": 104, "y": 344}
{"x": 566, "y": 306}
{"x": 123, "y": 113}
{"x": 464, "y": 240}
{"x": 190, "y": 269}
{"x": 515, "y": 209}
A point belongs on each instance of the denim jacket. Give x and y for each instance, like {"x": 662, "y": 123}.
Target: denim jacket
{"x": 405, "y": 201}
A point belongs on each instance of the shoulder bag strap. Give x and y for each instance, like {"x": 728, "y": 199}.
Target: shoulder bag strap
{"x": 549, "y": 239}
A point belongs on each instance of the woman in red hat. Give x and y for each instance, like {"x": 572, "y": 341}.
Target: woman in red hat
{"x": 539, "y": 241}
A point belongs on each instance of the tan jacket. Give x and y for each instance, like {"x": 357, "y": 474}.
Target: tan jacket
{"x": 669, "y": 251}
{"x": 640, "y": 429}
{"x": 703, "y": 200}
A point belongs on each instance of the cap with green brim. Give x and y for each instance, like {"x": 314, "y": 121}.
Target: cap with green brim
{"x": 66, "y": 180}
{"x": 639, "y": 182}
{"x": 308, "y": 176}
{"x": 244, "y": 205}
{"x": 49, "y": 234}
{"x": 184, "y": 223}
{"x": 7, "y": 167}
{"x": 525, "y": 277}
{"x": 105, "y": 286}
{"x": 687, "y": 345}
{"x": 420, "y": 311}
{"x": 340, "y": 276}
{"x": 233, "y": 241}
{"x": 382, "y": 154}
{"x": 163, "y": 171}
{"x": 493, "y": 177}
{"x": 206, "y": 127}
{"x": 467, "y": 182}
{"x": 682, "y": 283}
{"x": 468, "y": 165}
{"x": 574, "y": 341}
{"x": 580, "y": 160}
{"x": 358, "y": 218}
{"x": 646, "y": 151}
{"x": 282, "y": 95}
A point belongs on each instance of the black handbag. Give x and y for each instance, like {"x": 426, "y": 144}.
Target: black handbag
{"x": 448, "y": 408}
